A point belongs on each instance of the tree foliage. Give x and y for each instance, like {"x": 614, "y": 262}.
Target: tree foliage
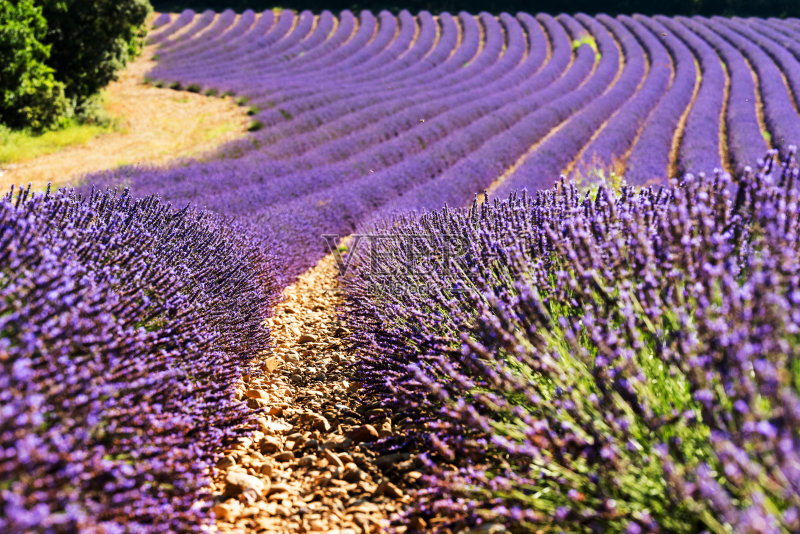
{"x": 30, "y": 96}
{"x": 92, "y": 40}
{"x": 57, "y": 54}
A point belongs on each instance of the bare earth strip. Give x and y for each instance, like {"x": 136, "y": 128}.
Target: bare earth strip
{"x": 311, "y": 466}
{"x": 158, "y": 125}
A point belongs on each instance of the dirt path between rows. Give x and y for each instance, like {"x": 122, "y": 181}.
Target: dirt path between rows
{"x": 157, "y": 125}
{"x": 311, "y": 466}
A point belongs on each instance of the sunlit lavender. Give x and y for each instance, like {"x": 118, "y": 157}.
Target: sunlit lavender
{"x": 604, "y": 342}
{"x": 620, "y": 359}
{"x": 125, "y": 324}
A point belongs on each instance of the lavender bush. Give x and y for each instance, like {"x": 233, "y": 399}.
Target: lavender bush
{"x": 124, "y": 325}
{"x": 614, "y": 361}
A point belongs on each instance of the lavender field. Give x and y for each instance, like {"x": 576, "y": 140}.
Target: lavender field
{"x": 364, "y": 116}
{"x": 606, "y": 342}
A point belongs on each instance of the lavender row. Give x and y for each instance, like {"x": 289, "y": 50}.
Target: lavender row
{"x": 279, "y": 117}
{"x": 256, "y": 51}
{"x": 161, "y": 20}
{"x": 606, "y": 154}
{"x": 194, "y": 30}
{"x": 604, "y": 361}
{"x": 339, "y": 121}
{"x": 271, "y": 118}
{"x": 184, "y": 19}
{"x": 780, "y": 113}
{"x": 124, "y": 327}
{"x": 652, "y": 156}
{"x": 212, "y": 36}
{"x": 746, "y": 140}
{"x": 701, "y": 145}
{"x": 559, "y": 150}
{"x": 564, "y": 108}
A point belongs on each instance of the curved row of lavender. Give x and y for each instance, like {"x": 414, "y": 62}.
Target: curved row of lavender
{"x": 595, "y": 361}
{"x": 124, "y": 327}
{"x": 363, "y": 116}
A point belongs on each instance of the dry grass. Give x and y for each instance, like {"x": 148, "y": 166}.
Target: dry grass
{"x": 18, "y": 146}
{"x": 155, "y": 126}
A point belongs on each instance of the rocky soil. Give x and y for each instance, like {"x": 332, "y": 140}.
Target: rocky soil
{"x": 312, "y": 465}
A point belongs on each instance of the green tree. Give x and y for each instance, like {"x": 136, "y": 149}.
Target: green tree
{"x": 30, "y": 96}
{"x": 92, "y": 40}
